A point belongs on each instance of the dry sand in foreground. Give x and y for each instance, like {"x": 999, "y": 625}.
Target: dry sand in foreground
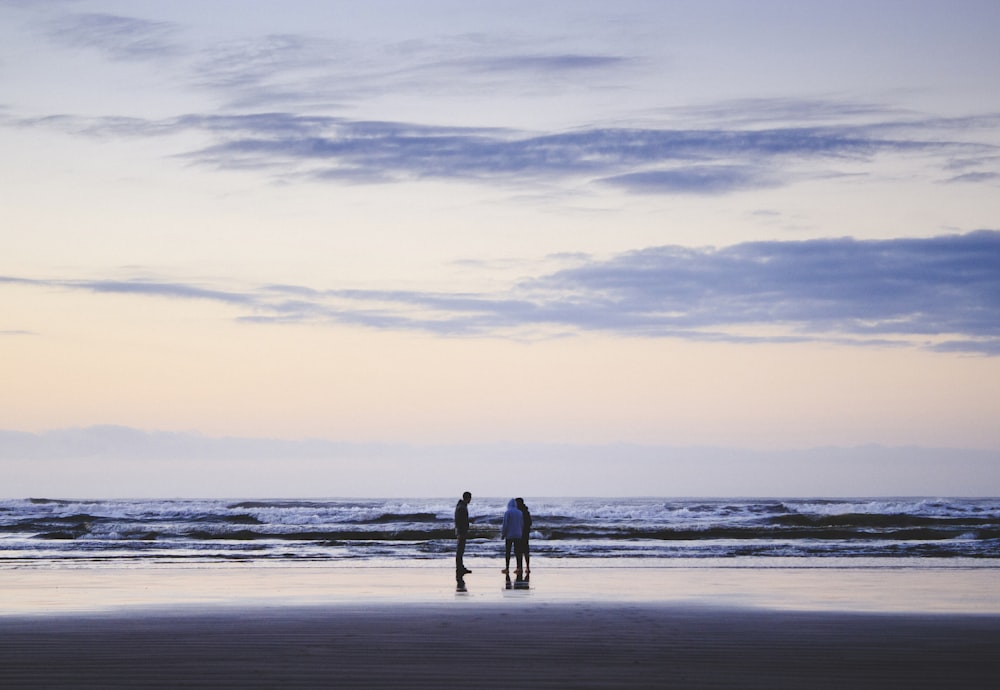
{"x": 500, "y": 645}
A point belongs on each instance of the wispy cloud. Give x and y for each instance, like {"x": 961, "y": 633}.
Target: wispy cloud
{"x": 116, "y": 36}
{"x": 269, "y": 84}
{"x": 289, "y": 70}
{"x": 139, "y": 287}
{"x": 941, "y": 293}
{"x": 546, "y": 63}
{"x": 638, "y": 159}
{"x": 697, "y": 179}
{"x": 912, "y": 288}
{"x": 768, "y": 112}
{"x": 306, "y": 69}
{"x": 975, "y": 177}
{"x": 261, "y": 71}
{"x": 642, "y": 160}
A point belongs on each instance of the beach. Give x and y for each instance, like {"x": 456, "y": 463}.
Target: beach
{"x": 572, "y": 627}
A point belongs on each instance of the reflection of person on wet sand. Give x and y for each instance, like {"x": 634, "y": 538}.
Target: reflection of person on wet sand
{"x": 526, "y": 518}
{"x": 512, "y": 532}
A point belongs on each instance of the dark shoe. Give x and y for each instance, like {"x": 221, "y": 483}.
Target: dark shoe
{"x": 466, "y": 571}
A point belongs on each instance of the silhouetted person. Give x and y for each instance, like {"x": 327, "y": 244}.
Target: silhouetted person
{"x": 512, "y": 532}
{"x": 525, "y": 548}
{"x": 461, "y": 533}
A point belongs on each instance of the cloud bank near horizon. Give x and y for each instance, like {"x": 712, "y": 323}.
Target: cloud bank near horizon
{"x": 940, "y": 293}
{"x": 122, "y": 462}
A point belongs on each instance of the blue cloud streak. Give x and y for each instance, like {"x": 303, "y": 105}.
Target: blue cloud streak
{"x": 637, "y": 159}
{"x": 642, "y": 160}
{"x": 901, "y": 287}
{"x": 942, "y": 293}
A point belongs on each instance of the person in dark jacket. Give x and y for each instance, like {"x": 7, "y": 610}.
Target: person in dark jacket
{"x": 526, "y": 518}
{"x": 461, "y": 533}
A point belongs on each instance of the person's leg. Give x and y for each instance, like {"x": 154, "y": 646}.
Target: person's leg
{"x": 519, "y": 555}
{"x": 507, "y": 546}
{"x": 527, "y": 557}
{"x": 460, "y": 553}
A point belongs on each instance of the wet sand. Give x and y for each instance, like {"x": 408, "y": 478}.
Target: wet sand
{"x": 385, "y": 629}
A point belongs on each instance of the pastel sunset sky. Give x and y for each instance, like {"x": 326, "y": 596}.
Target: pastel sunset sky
{"x": 395, "y": 248}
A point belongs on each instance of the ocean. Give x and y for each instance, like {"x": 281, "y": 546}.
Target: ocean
{"x": 41, "y": 533}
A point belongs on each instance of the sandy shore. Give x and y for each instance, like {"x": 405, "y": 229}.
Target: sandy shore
{"x": 400, "y": 628}
{"x": 617, "y": 645}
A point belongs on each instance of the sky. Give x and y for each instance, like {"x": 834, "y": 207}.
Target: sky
{"x": 388, "y": 248}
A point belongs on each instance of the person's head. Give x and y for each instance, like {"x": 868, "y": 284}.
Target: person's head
{"x": 467, "y": 497}
{"x": 520, "y": 502}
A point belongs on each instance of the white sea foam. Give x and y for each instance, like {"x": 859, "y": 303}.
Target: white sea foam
{"x": 165, "y": 531}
